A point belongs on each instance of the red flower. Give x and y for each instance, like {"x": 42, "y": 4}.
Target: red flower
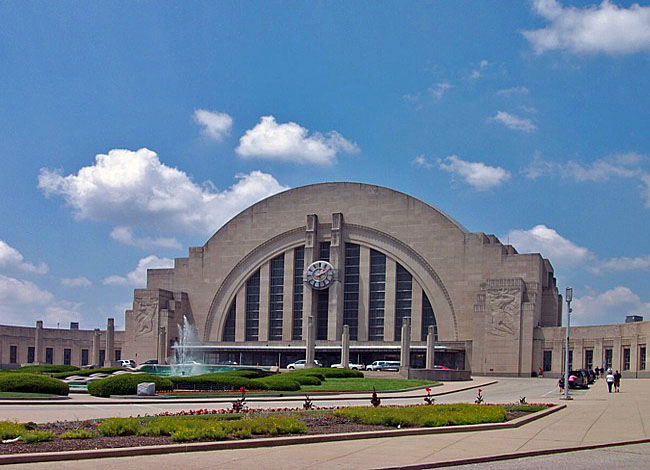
{"x": 428, "y": 389}
{"x": 241, "y": 389}
{"x": 480, "y": 390}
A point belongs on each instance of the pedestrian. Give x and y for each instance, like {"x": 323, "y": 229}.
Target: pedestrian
{"x": 560, "y": 383}
{"x": 540, "y": 373}
{"x": 610, "y": 380}
{"x": 597, "y": 372}
{"x": 617, "y": 381}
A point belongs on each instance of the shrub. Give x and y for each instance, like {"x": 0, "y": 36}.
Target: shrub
{"x": 306, "y": 379}
{"x": 220, "y": 380}
{"x": 248, "y": 373}
{"x": 77, "y": 434}
{"x": 46, "y": 369}
{"x": 11, "y": 429}
{"x": 331, "y": 373}
{"x": 32, "y": 383}
{"x": 279, "y": 382}
{"x": 86, "y": 372}
{"x": 119, "y": 427}
{"x": 125, "y": 384}
{"x": 215, "y": 433}
{"x": 426, "y": 416}
{"x": 32, "y": 437}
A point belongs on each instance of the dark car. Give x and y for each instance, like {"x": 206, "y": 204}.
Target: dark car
{"x": 150, "y": 362}
{"x": 581, "y": 379}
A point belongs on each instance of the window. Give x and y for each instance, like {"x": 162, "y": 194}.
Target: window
{"x": 589, "y": 359}
{"x": 642, "y": 358}
{"x": 49, "y": 355}
{"x": 428, "y": 318}
{"x": 84, "y": 357}
{"x": 67, "y": 356}
{"x": 276, "y": 298}
{"x": 102, "y": 357}
{"x": 608, "y": 358}
{"x": 403, "y": 295}
{"x": 13, "y": 354}
{"x": 322, "y": 306}
{"x": 324, "y": 251}
{"x": 298, "y": 269}
{"x": 31, "y": 352}
{"x": 377, "y": 296}
{"x": 118, "y": 354}
{"x": 548, "y": 360}
{"x": 351, "y": 289}
{"x": 253, "y": 307}
{"x": 570, "y": 359}
{"x": 229, "y": 327}
{"x": 626, "y": 358}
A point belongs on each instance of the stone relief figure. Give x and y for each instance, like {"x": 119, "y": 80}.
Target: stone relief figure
{"x": 503, "y": 308}
{"x": 144, "y": 316}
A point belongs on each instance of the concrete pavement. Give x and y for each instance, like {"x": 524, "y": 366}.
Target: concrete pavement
{"x": 593, "y": 418}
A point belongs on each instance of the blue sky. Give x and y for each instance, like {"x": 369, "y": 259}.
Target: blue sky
{"x": 130, "y": 131}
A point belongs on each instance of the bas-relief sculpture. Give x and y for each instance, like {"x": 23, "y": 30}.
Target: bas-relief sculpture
{"x": 504, "y": 305}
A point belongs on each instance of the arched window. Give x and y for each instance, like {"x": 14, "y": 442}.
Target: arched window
{"x": 428, "y": 318}
{"x": 253, "y": 307}
{"x": 403, "y": 297}
{"x": 229, "y": 327}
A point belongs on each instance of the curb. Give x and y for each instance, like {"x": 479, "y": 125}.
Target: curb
{"x": 257, "y": 398}
{"x": 266, "y": 442}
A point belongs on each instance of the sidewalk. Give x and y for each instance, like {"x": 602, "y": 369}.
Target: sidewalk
{"x": 596, "y": 417}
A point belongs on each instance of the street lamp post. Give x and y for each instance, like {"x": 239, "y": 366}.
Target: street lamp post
{"x": 569, "y": 297}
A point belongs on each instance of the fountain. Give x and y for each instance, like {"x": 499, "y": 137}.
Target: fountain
{"x": 184, "y": 360}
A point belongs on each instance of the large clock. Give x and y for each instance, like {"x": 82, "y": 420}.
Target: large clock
{"x": 319, "y": 275}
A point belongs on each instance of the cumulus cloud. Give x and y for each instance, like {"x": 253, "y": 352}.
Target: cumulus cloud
{"x": 124, "y": 235}
{"x": 12, "y": 258}
{"x": 477, "y": 174}
{"x": 23, "y": 302}
{"x": 512, "y": 121}
{"x": 214, "y": 124}
{"x": 623, "y": 165}
{"x": 641, "y": 263}
{"x": 292, "y": 143}
{"x": 422, "y": 162}
{"x": 76, "y": 282}
{"x": 138, "y": 277}
{"x": 605, "y": 28}
{"x": 516, "y": 90}
{"x": 551, "y": 245}
{"x": 128, "y": 188}
{"x": 607, "y": 307}
{"x": 478, "y": 71}
{"x": 439, "y": 89}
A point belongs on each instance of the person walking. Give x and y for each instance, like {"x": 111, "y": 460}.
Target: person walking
{"x": 610, "y": 380}
{"x": 617, "y": 381}
{"x": 560, "y": 383}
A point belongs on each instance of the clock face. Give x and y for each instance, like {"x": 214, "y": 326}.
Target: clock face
{"x": 320, "y": 275}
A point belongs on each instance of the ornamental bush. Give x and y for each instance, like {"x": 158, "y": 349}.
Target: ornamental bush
{"x": 47, "y": 369}
{"x": 280, "y": 382}
{"x": 126, "y": 384}
{"x": 219, "y": 380}
{"x": 331, "y": 373}
{"x": 306, "y": 379}
{"x": 32, "y": 383}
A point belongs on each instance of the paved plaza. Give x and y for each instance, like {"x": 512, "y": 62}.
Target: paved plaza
{"x": 593, "y": 418}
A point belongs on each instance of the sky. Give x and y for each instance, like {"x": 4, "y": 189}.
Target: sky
{"x": 131, "y": 131}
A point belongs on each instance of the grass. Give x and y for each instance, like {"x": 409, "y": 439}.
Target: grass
{"x": 25, "y": 394}
{"x": 426, "y": 415}
{"x": 365, "y": 384}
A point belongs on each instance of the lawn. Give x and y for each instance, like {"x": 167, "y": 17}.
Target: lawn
{"x": 25, "y": 395}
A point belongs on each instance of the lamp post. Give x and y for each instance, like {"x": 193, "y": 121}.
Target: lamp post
{"x": 568, "y": 297}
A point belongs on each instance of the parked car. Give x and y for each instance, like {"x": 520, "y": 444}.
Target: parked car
{"x": 301, "y": 364}
{"x": 127, "y": 363}
{"x": 150, "y": 362}
{"x": 581, "y": 379}
{"x": 227, "y": 363}
{"x": 351, "y": 365}
{"x": 384, "y": 365}
{"x": 441, "y": 368}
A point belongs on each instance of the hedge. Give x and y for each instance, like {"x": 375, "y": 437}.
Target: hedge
{"x": 305, "y": 379}
{"x": 86, "y": 372}
{"x": 47, "y": 369}
{"x": 32, "y": 383}
{"x": 125, "y": 384}
{"x": 219, "y": 380}
{"x": 279, "y": 382}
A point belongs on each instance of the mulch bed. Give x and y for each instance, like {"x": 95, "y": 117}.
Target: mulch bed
{"x": 316, "y": 424}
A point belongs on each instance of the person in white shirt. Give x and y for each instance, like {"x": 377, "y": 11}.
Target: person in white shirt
{"x": 610, "y": 380}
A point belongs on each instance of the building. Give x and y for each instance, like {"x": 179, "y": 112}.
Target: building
{"x": 384, "y": 256}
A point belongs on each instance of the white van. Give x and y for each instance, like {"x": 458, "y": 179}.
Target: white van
{"x": 384, "y": 365}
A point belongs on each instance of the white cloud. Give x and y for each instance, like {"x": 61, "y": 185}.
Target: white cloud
{"x": 138, "y": 277}
{"x": 23, "y": 302}
{"x": 214, "y": 124}
{"x": 422, "y": 162}
{"x": 129, "y": 188}
{"x": 605, "y": 28}
{"x": 292, "y": 143}
{"x": 478, "y": 72}
{"x": 542, "y": 239}
{"x": 76, "y": 282}
{"x": 516, "y": 90}
{"x": 124, "y": 235}
{"x": 439, "y": 89}
{"x": 607, "y": 307}
{"x": 477, "y": 174}
{"x": 512, "y": 121}
{"x": 12, "y": 258}
{"x": 622, "y": 264}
